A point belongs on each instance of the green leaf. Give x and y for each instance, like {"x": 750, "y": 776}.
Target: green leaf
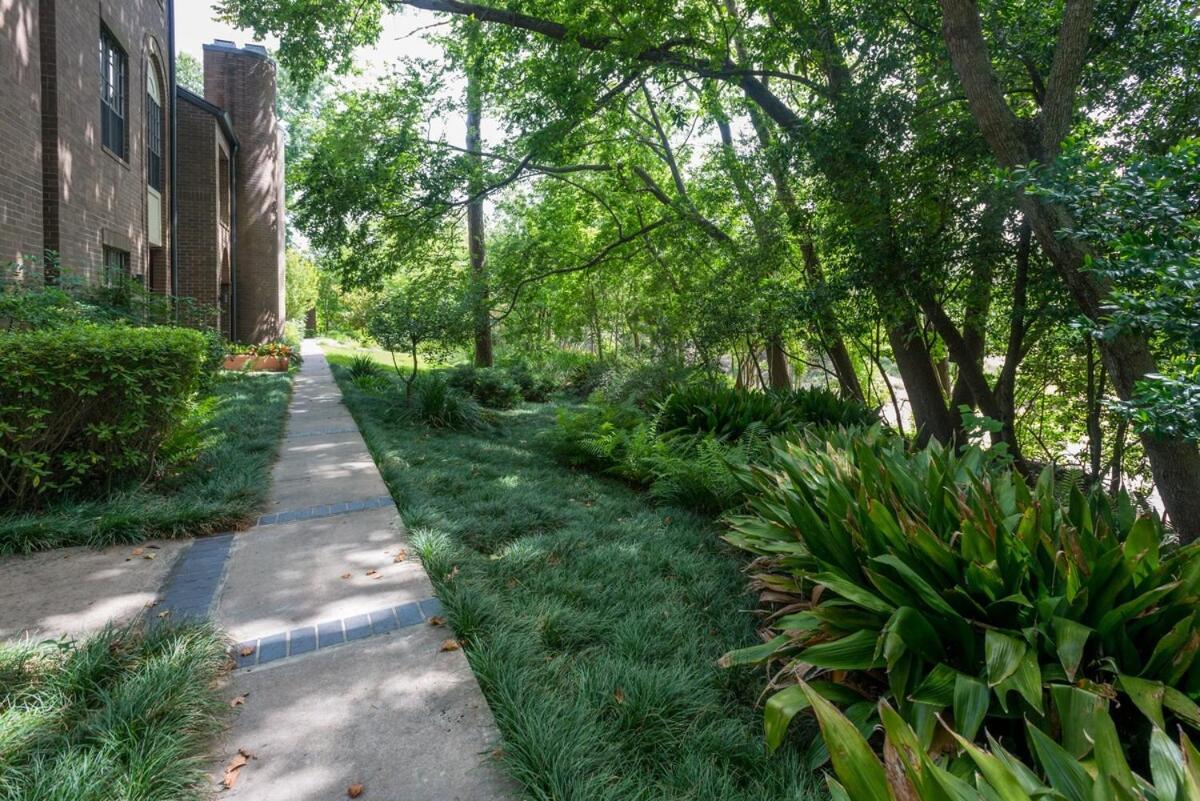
{"x": 1141, "y": 547}
{"x": 1166, "y": 766}
{"x": 755, "y": 653}
{"x": 1077, "y": 709}
{"x": 1147, "y": 696}
{"x": 971, "y": 698}
{"x": 858, "y": 769}
{"x": 854, "y": 592}
{"x": 1070, "y": 637}
{"x": 780, "y": 709}
{"x": 1063, "y": 771}
{"x": 1026, "y": 680}
{"x": 1002, "y": 779}
{"x": 1003, "y": 653}
{"x": 1182, "y": 706}
{"x": 917, "y": 634}
{"x": 938, "y": 687}
{"x": 853, "y": 652}
{"x": 929, "y": 596}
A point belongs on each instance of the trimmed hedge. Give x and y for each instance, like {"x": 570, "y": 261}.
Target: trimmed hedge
{"x": 84, "y": 407}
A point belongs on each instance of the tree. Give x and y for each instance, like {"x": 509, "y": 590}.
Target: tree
{"x": 189, "y": 73}
{"x": 301, "y": 284}
{"x": 417, "y": 317}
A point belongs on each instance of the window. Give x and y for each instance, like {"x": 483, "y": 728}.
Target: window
{"x": 154, "y": 131}
{"x": 116, "y": 266}
{"x": 114, "y": 74}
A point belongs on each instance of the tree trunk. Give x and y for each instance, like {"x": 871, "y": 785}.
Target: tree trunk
{"x": 1174, "y": 463}
{"x": 933, "y": 420}
{"x": 475, "y": 232}
{"x": 778, "y": 370}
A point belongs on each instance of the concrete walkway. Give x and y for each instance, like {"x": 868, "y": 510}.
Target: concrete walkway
{"x": 345, "y": 679}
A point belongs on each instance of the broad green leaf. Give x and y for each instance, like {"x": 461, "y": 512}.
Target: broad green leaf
{"x": 938, "y": 687}
{"x": 1130, "y": 609}
{"x": 1063, "y": 771}
{"x": 1077, "y": 709}
{"x": 1182, "y": 706}
{"x": 753, "y": 654}
{"x": 1003, "y": 653}
{"x": 798, "y": 621}
{"x": 780, "y": 709}
{"x": 1002, "y": 779}
{"x": 1026, "y": 680}
{"x": 1166, "y": 766}
{"x": 854, "y": 592}
{"x": 1070, "y": 637}
{"x": 928, "y": 595}
{"x": 852, "y": 652}
{"x": 916, "y": 633}
{"x": 858, "y": 769}
{"x": 971, "y": 697}
{"x": 1147, "y": 696}
{"x": 1141, "y": 547}
{"x": 1191, "y": 767}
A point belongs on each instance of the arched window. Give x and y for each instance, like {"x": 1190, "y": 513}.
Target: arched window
{"x": 154, "y": 152}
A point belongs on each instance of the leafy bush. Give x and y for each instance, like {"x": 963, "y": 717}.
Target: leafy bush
{"x": 88, "y": 406}
{"x": 435, "y": 403}
{"x": 491, "y": 386}
{"x": 537, "y": 385}
{"x": 363, "y": 367}
{"x": 727, "y": 413}
{"x": 980, "y": 597}
{"x": 1092, "y": 766}
{"x": 641, "y": 384}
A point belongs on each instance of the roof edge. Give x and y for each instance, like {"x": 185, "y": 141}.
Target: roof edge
{"x": 221, "y": 114}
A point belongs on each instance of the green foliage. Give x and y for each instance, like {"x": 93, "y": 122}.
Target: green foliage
{"x": 189, "y": 73}
{"x": 236, "y": 427}
{"x": 1138, "y": 220}
{"x": 493, "y": 387}
{"x": 85, "y": 407}
{"x": 418, "y": 317}
{"x": 1096, "y": 769}
{"x": 591, "y": 619}
{"x": 301, "y": 284}
{"x": 122, "y": 714}
{"x": 727, "y": 413}
{"x": 435, "y": 403}
{"x": 981, "y": 597}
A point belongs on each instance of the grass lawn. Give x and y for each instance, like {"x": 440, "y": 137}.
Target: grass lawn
{"x": 592, "y": 618}
{"x": 238, "y": 433}
{"x": 122, "y": 715}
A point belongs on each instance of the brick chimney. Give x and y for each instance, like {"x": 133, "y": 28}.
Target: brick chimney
{"x": 242, "y": 82}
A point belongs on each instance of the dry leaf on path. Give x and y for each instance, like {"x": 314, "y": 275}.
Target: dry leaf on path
{"x": 374, "y": 574}
{"x": 450, "y": 645}
{"x": 437, "y": 620}
{"x": 238, "y": 700}
{"x": 619, "y": 695}
{"x": 355, "y": 790}
{"x": 345, "y": 575}
{"x": 234, "y": 768}
{"x": 400, "y": 557}
{"x": 137, "y": 551}
{"x": 246, "y": 650}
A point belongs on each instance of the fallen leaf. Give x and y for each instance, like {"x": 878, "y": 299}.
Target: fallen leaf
{"x": 374, "y": 574}
{"x": 239, "y": 761}
{"x": 450, "y": 645}
{"x": 667, "y": 520}
{"x": 137, "y": 551}
{"x": 452, "y": 573}
{"x": 619, "y": 695}
{"x": 400, "y": 557}
{"x": 345, "y": 575}
{"x": 246, "y": 650}
{"x": 437, "y": 620}
{"x": 238, "y": 700}
{"x": 164, "y": 614}
{"x": 148, "y": 555}
{"x": 511, "y": 584}
{"x": 355, "y": 790}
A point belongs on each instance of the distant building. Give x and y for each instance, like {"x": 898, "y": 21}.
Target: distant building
{"x": 105, "y": 164}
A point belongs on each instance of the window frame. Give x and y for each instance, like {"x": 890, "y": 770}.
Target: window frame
{"x": 115, "y": 261}
{"x": 114, "y": 95}
{"x": 155, "y": 165}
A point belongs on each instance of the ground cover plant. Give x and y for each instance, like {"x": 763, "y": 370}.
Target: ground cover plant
{"x": 592, "y": 618}
{"x": 125, "y": 713}
{"x": 216, "y": 478}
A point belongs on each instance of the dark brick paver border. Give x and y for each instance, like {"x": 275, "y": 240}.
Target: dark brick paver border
{"x": 274, "y": 647}
{"x": 326, "y": 510}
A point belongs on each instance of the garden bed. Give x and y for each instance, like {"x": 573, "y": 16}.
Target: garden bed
{"x": 592, "y": 618}
{"x": 221, "y": 489}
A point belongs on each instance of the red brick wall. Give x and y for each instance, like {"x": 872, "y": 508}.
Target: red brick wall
{"x": 20, "y": 131}
{"x": 102, "y": 198}
{"x": 243, "y": 83}
{"x": 198, "y": 143}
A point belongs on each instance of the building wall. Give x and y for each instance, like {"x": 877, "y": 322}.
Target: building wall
{"x": 101, "y": 198}
{"x": 199, "y": 145}
{"x": 20, "y": 131}
{"x": 243, "y": 83}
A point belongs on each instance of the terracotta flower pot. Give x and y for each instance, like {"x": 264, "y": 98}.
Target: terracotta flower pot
{"x": 245, "y": 361}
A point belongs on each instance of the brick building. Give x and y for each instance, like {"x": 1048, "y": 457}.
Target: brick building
{"x": 93, "y": 133}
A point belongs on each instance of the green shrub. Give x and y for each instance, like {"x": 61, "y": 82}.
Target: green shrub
{"x": 537, "y": 385}
{"x": 641, "y": 384}
{"x": 727, "y": 413}
{"x": 950, "y": 587}
{"x": 435, "y": 403}
{"x": 363, "y": 367}
{"x": 490, "y": 386}
{"x": 1093, "y": 768}
{"x": 86, "y": 406}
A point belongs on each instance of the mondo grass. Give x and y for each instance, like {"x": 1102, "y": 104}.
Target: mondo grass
{"x": 220, "y": 489}
{"x": 592, "y": 618}
{"x": 125, "y": 714}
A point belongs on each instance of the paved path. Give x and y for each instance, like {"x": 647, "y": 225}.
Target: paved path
{"x": 345, "y": 678}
